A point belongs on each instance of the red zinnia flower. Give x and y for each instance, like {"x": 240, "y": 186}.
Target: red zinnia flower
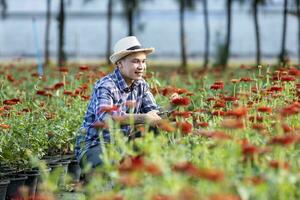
{"x": 181, "y": 101}
{"x": 202, "y": 124}
{"x": 181, "y": 90}
{"x": 279, "y": 164}
{"x": 83, "y": 68}
{"x": 290, "y": 110}
{"x": 264, "y": 109}
{"x": 67, "y": 92}
{"x": 58, "y": 85}
{"x": 284, "y": 140}
{"x": 286, "y": 128}
{"x": 210, "y": 99}
{"x": 217, "y": 87}
{"x": 230, "y": 98}
{"x": 257, "y": 118}
{"x": 11, "y": 101}
{"x": 43, "y": 93}
{"x": 35, "y": 74}
{"x": 246, "y": 79}
{"x": 258, "y": 127}
{"x": 192, "y": 170}
{"x": 185, "y": 127}
{"x": 219, "y": 104}
{"x": 168, "y": 90}
{"x": 218, "y": 113}
{"x": 288, "y": 78}
{"x": 63, "y": 69}
{"x": 10, "y": 78}
{"x": 184, "y": 114}
{"x": 275, "y": 88}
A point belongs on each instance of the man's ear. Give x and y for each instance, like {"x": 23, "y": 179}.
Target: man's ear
{"x": 119, "y": 63}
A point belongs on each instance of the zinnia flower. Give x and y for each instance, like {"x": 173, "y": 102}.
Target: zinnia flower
{"x": 284, "y": 140}
{"x": 185, "y": 127}
{"x": 181, "y": 101}
{"x": 264, "y": 109}
{"x": 4, "y": 126}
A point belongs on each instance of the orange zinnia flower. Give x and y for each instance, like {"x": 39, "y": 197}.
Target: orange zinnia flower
{"x": 4, "y": 126}
{"x": 153, "y": 169}
{"x": 165, "y": 125}
{"x": 213, "y": 134}
{"x": 224, "y": 197}
{"x": 237, "y": 112}
{"x": 132, "y": 163}
{"x": 233, "y": 123}
{"x": 162, "y": 197}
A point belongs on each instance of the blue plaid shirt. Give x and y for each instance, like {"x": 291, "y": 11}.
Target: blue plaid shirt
{"x": 112, "y": 90}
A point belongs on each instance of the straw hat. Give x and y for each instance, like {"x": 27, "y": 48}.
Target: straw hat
{"x": 126, "y": 46}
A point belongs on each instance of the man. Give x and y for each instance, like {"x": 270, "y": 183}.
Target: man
{"x": 122, "y": 95}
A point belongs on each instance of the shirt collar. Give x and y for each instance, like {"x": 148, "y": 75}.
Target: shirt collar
{"x": 121, "y": 83}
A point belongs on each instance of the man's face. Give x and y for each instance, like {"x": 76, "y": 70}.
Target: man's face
{"x": 133, "y": 66}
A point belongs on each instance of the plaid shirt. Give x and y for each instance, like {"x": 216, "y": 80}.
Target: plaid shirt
{"x": 108, "y": 91}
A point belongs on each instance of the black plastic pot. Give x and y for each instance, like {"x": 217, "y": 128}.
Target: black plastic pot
{"x": 31, "y": 181}
{"x": 51, "y": 159}
{"x": 16, "y": 182}
{"x": 74, "y": 170}
{"x": 3, "y": 188}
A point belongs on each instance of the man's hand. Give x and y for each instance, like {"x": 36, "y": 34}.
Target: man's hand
{"x": 152, "y": 117}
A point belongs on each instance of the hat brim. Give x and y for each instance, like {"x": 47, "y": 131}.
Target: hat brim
{"x": 119, "y": 55}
